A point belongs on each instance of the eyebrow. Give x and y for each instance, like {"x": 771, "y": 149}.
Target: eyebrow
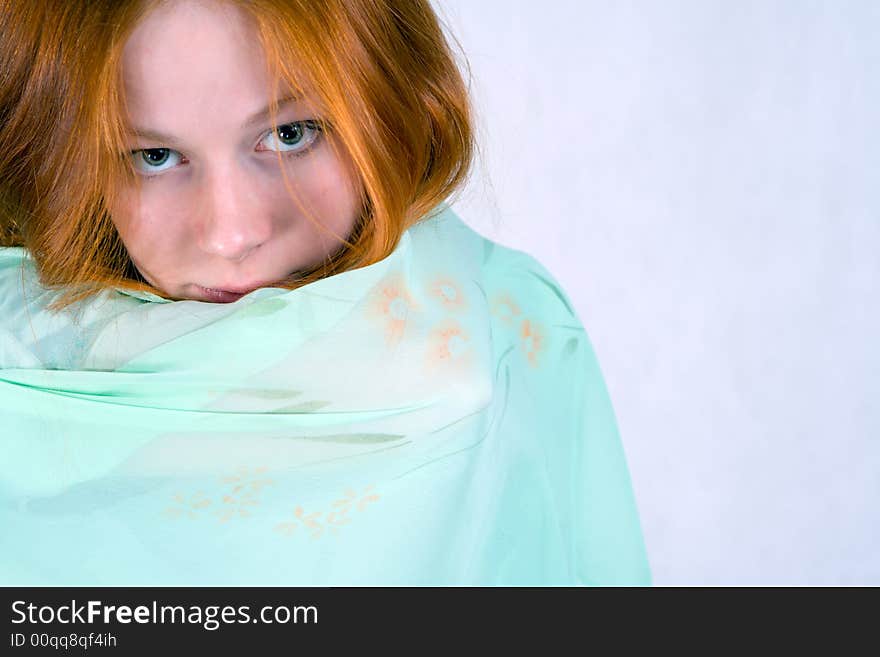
{"x": 263, "y": 114}
{"x": 253, "y": 119}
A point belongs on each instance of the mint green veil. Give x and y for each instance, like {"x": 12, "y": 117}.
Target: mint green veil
{"x": 436, "y": 418}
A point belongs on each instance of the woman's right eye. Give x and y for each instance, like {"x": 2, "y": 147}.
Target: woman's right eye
{"x": 155, "y": 160}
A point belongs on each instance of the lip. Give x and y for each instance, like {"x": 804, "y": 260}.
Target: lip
{"x": 221, "y": 296}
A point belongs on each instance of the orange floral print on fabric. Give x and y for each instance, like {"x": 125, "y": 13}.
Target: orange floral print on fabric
{"x": 240, "y": 494}
{"x": 448, "y": 346}
{"x": 391, "y": 305}
{"x": 505, "y": 308}
{"x": 449, "y": 293}
{"x": 530, "y": 336}
{"x": 187, "y": 507}
{"x": 341, "y": 514}
{"x": 532, "y": 341}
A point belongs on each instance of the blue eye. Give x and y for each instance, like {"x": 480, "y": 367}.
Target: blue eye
{"x": 155, "y": 160}
{"x": 297, "y": 136}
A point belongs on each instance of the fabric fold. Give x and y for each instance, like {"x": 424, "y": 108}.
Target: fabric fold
{"x": 438, "y": 417}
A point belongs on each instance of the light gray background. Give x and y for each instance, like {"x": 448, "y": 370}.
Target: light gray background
{"x": 703, "y": 179}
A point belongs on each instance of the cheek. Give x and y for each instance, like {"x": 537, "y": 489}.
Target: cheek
{"x": 334, "y": 186}
{"x": 147, "y": 219}
{"x": 124, "y": 211}
{"x": 325, "y": 190}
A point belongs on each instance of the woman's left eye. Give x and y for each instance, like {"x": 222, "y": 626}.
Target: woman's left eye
{"x": 155, "y": 160}
{"x": 297, "y": 136}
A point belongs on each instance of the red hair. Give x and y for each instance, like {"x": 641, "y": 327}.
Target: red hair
{"x": 382, "y": 70}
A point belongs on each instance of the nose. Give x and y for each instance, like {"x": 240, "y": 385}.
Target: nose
{"x": 232, "y": 221}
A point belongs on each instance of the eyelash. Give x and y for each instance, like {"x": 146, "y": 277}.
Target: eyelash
{"x": 320, "y": 127}
{"x": 311, "y": 124}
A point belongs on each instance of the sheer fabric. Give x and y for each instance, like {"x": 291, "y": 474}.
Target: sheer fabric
{"x": 436, "y": 418}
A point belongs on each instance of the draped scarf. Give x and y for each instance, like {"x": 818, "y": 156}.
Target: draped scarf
{"x": 436, "y": 418}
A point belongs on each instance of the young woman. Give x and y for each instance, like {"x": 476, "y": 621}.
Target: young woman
{"x": 243, "y": 337}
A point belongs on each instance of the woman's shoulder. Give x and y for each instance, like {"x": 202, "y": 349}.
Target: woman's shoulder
{"x": 510, "y": 276}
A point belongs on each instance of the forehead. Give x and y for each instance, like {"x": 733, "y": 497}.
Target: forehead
{"x": 188, "y": 52}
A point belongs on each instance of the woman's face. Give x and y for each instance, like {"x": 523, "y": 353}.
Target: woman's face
{"x": 213, "y": 214}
